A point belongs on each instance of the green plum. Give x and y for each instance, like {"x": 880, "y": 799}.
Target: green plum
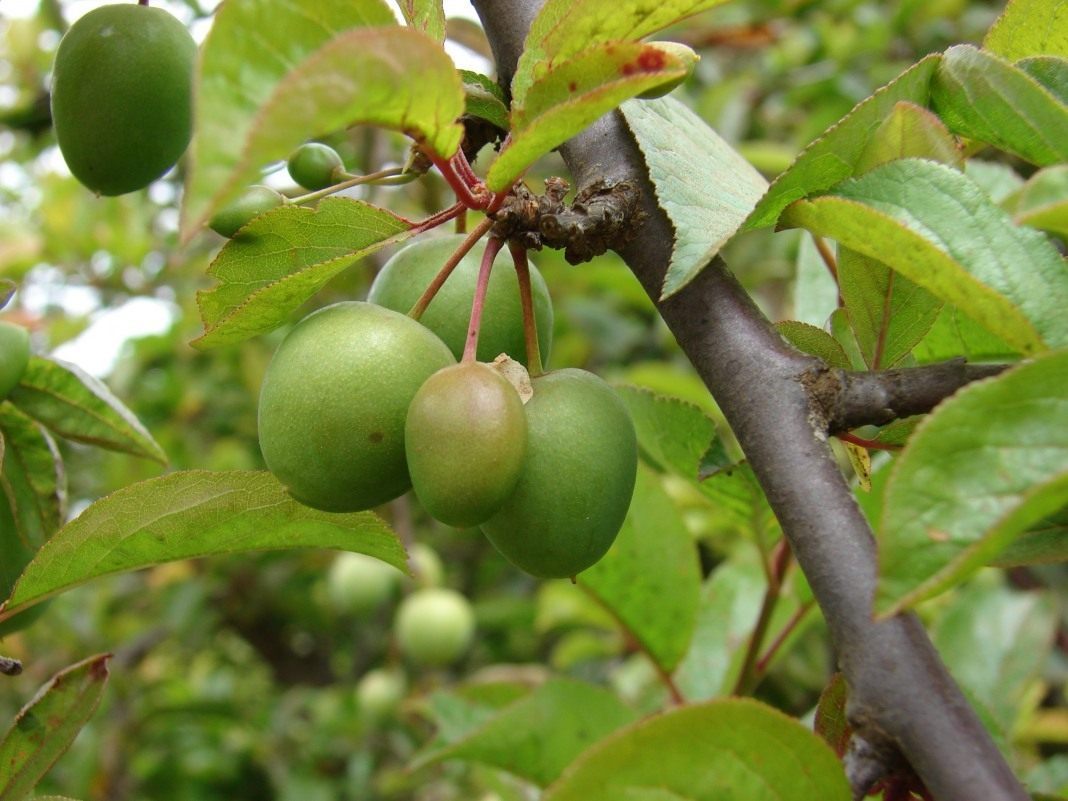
{"x": 434, "y": 627}
{"x": 379, "y": 693}
{"x": 357, "y": 584}
{"x": 255, "y": 200}
{"x": 402, "y": 280}
{"x": 315, "y": 166}
{"x": 577, "y": 479}
{"x": 333, "y": 403}
{"x": 425, "y": 566}
{"x": 466, "y": 436}
{"x": 14, "y": 356}
{"x": 122, "y": 96}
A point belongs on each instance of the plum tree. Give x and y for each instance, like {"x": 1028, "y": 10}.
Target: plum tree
{"x": 333, "y": 403}
{"x": 466, "y": 436}
{"x": 122, "y": 96}
{"x": 358, "y": 584}
{"x": 577, "y": 478}
{"x": 315, "y": 166}
{"x": 404, "y": 277}
{"x": 253, "y": 202}
{"x": 14, "y": 356}
{"x": 434, "y": 627}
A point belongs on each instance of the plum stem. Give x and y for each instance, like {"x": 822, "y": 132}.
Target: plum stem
{"x": 474, "y": 195}
{"x": 493, "y": 247}
{"x": 434, "y": 220}
{"x": 446, "y": 269}
{"x": 352, "y": 180}
{"x": 530, "y": 327}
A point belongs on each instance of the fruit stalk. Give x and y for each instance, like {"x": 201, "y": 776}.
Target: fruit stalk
{"x": 348, "y": 183}
{"x": 530, "y": 327}
{"x": 446, "y": 269}
{"x": 493, "y": 247}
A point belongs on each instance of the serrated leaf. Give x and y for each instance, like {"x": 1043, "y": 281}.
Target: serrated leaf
{"x": 910, "y": 131}
{"x": 427, "y": 16}
{"x": 736, "y": 748}
{"x": 833, "y": 156}
{"x": 650, "y": 579}
{"x": 541, "y": 734}
{"x": 44, "y": 729}
{"x": 484, "y": 99}
{"x": 736, "y": 495}
{"x": 889, "y": 314}
{"x": 284, "y": 257}
{"x": 77, "y": 406}
{"x": 33, "y": 484}
{"x": 685, "y": 157}
{"x": 673, "y": 434}
{"x": 1044, "y": 543}
{"x": 186, "y": 515}
{"x": 1029, "y": 28}
{"x": 251, "y": 47}
{"x": 986, "y": 464}
{"x": 563, "y": 28}
{"x": 938, "y": 229}
{"x": 574, "y": 93}
{"x": 1050, "y": 71}
{"x": 815, "y": 341}
{"x": 1043, "y": 201}
{"x": 983, "y": 97}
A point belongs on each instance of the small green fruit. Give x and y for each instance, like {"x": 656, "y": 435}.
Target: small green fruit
{"x": 676, "y": 50}
{"x": 466, "y": 436}
{"x": 379, "y": 693}
{"x": 434, "y": 627}
{"x": 402, "y": 280}
{"x": 315, "y": 166}
{"x": 255, "y": 201}
{"x": 333, "y": 403}
{"x": 577, "y": 479}
{"x": 425, "y": 566}
{"x": 358, "y": 584}
{"x": 122, "y": 96}
{"x": 14, "y": 356}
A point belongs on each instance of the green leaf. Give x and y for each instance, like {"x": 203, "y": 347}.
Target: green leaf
{"x": 563, "y": 28}
{"x": 427, "y": 16}
{"x": 986, "y": 464}
{"x": 1029, "y": 28}
{"x": 980, "y": 96}
{"x": 735, "y": 748}
{"x": 685, "y": 157}
{"x": 76, "y": 406}
{"x": 1043, "y": 543}
{"x": 484, "y": 99}
{"x": 910, "y": 131}
{"x": 809, "y": 339}
{"x": 736, "y": 495}
{"x": 45, "y": 727}
{"x": 186, "y": 515}
{"x": 831, "y": 722}
{"x": 539, "y": 735}
{"x": 955, "y": 334}
{"x": 284, "y": 257}
{"x": 650, "y": 578}
{"x": 33, "y": 484}
{"x": 673, "y": 434}
{"x": 573, "y": 94}
{"x": 250, "y": 48}
{"x": 939, "y": 230}
{"x": 996, "y": 643}
{"x": 1051, "y": 72}
{"x": 1043, "y": 201}
{"x": 815, "y": 292}
{"x": 834, "y": 155}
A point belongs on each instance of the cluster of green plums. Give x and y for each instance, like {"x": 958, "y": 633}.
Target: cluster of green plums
{"x": 361, "y": 402}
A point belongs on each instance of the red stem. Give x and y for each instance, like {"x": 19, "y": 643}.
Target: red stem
{"x": 773, "y": 648}
{"x": 493, "y": 247}
{"x": 464, "y": 193}
{"x": 441, "y": 217}
{"x": 870, "y": 444}
{"x": 463, "y": 168}
{"x": 446, "y": 270}
{"x": 530, "y": 326}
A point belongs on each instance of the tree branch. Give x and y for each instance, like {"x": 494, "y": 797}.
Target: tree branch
{"x": 901, "y": 696}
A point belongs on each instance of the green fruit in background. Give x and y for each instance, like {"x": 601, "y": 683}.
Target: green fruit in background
{"x": 466, "y": 436}
{"x": 14, "y": 356}
{"x": 357, "y": 584}
{"x": 122, "y": 96}
{"x": 402, "y": 280}
{"x": 255, "y": 200}
{"x": 434, "y": 627}
{"x": 577, "y": 480}
{"x": 315, "y": 166}
{"x": 425, "y": 565}
{"x": 379, "y": 693}
{"x": 333, "y": 403}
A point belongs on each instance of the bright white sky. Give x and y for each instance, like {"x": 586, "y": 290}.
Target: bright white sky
{"x": 97, "y": 349}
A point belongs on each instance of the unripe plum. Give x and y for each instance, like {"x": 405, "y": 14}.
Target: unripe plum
{"x": 315, "y": 166}
{"x": 402, "y": 280}
{"x": 14, "y": 356}
{"x": 434, "y": 627}
{"x": 122, "y": 96}
{"x": 466, "y": 436}
{"x": 577, "y": 479}
{"x": 253, "y": 202}
{"x": 333, "y": 403}
{"x": 357, "y": 584}
{"x": 379, "y": 693}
